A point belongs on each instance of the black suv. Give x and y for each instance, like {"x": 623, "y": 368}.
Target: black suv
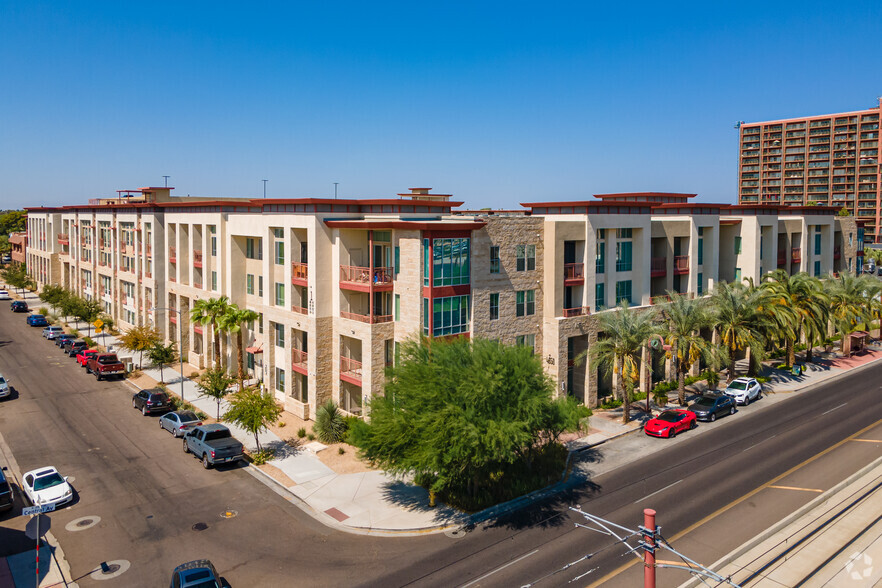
{"x": 18, "y": 306}
{"x": 6, "y": 498}
{"x": 75, "y": 347}
{"x": 153, "y": 400}
{"x": 63, "y": 338}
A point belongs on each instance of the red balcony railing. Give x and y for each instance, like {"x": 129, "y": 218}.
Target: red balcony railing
{"x": 574, "y": 272}
{"x": 299, "y": 358}
{"x": 796, "y": 255}
{"x": 172, "y": 279}
{"x": 658, "y": 267}
{"x": 350, "y": 367}
{"x": 172, "y": 255}
{"x": 197, "y": 259}
{"x": 681, "y": 264}
{"x": 63, "y": 239}
{"x": 197, "y": 284}
{"x": 578, "y": 311}
{"x": 364, "y": 275}
{"x": 661, "y": 299}
{"x": 299, "y": 309}
{"x": 365, "y": 318}
{"x": 299, "y": 273}
{"x": 782, "y": 258}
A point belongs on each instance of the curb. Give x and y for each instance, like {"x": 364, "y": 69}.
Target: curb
{"x": 786, "y": 521}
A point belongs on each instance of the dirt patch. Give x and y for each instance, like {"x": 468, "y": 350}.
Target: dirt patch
{"x": 348, "y": 463}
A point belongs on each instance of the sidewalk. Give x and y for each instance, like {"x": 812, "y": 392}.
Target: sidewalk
{"x": 20, "y": 569}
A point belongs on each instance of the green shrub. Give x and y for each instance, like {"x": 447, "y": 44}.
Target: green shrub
{"x": 301, "y": 432}
{"x": 75, "y": 333}
{"x": 89, "y": 341}
{"x": 311, "y": 437}
{"x": 610, "y": 403}
{"x": 762, "y": 379}
{"x": 340, "y": 451}
{"x": 330, "y": 426}
{"x": 262, "y": 456}
{"x": 43, "y": 310}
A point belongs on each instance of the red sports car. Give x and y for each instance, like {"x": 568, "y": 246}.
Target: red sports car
{"x": 671, "y": 422}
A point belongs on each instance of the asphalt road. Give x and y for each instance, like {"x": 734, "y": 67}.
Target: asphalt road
{"x": 149, "y": 495}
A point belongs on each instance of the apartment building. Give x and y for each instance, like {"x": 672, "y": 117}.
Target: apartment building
{"x": 340, "y": 284}
{"x": 831, "y": 160}
{"x": 18, "y": 243}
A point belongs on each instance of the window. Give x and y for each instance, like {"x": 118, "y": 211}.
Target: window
{"x": 397, "y": 307}
{"x": 850, "y": 239}
{"x": 253, "y": 249}
{"x": 397, "y": 259}
{"x": 260, "y": 286}
{"x": 249, "y": 361}
{"x": 260, "y": 324}
{"x": 212, "y": 230}
{"x": 526, "y": 341}
{"x": 426, "y": 264}
{"x": 526, "y": 257}
{"x": 280, "y": 294}
{"x": 600, "y": 258}
{"x": 389, "y": 352}
{"x": 278, "y": 233}
{"x": 494, "y": 259}
{"x": 817, "y": 243}
{"x": 494, "y": 306}
{"x": 214, "y": 281}
{"x": 623, "y": 256}
{"x": 737, "y": 245}
{"x": 450, "y": 315}
{"x": 249, "y": 283}
{"x": 450, "y": 262}
{"x": 762, "y": 245}
{"x": 280, "y": 380}
{"x": 817, "y": 268}
{"x": 599, "y": 296}
{"x": 700, "y": 284}
{"x": 525, "y": 302}
{"x": 623, "y": 292}
{"x": 279, "y": 334}
{"x": 738, "y": 274}
{"x": 701, "y": 248}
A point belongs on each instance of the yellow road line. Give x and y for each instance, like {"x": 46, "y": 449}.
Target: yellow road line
{"x": 868, "y": 440}
{"x": 720, "y": 511}
{"x": 797, "y": 488}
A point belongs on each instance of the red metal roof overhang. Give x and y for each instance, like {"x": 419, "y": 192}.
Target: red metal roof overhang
{"x": 402, "y": 224}
{"x": 652, "y": 194}
{"x": 254, "y": 350}
{"x": 730, "y": 221}
{"x": 575, "y": 203}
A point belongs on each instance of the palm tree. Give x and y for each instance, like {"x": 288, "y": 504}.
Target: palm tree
{"x": 627, "y": 333}
{"x": 848, "y": 301}
{"x": 684, "y": 317}
{"x": 231, "y": 322}
{"x": 207, "y": 312}
{"x": 797, "y": 306}
{"x": 741, "y": 318}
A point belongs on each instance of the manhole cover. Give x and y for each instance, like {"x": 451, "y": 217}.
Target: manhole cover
{"x": 111, "y": 569}
{"x": 82, "y": 523}
{"x": 200, "y": 526}
{"x": 229, "y": 513}
{"x": 456, "y": 533}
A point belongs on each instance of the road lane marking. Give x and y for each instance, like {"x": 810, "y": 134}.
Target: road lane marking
{"x": 797, "y": 488}
{"x": 734, "y": 503}
{"x": 755, "y": 444}
{"x": 657, "y": 491}
{"x": 512, "y": 562}
{"x": 834, "y": 408}
{"x": 868, "y": 440}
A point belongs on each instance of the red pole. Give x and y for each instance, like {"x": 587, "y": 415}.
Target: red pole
{"x": 38, "y": 552}
{"x": 649, "y": 552}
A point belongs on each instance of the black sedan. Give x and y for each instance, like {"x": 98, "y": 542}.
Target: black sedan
{"x": 153, "y": 400}
{"x": 19, "y": 306}
{"x": 75, "y": 347}
{"x": 709, "y": 407}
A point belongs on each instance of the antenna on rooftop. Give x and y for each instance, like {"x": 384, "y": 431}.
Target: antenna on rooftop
{"x": 264, "y": 187}
{"x": 166, "y": 180}
{"x": 335, "y": 190}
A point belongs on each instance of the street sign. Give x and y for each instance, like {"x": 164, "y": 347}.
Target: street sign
{"x": 32, "y": 510}
{"x": 38, "y": 526}
{"x": 98, "y": 323}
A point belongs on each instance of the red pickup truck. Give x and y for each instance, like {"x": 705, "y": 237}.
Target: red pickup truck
{"x": 85, "y": 355}
{"x": 105, "y": 365}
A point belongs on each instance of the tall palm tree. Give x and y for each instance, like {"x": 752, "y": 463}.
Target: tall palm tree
{"x": 797, "y": 306}
{"x": 627, "y": 332}
{"x": 684, "y": 318}
{"x": 741, "y": 319}
{"x": 848, "y": 301}
{"x": 207, "y": 312}
{"x": 231, "y": 322}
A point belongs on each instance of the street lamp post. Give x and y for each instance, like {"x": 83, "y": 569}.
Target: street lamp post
{"x": 181, "y": 344}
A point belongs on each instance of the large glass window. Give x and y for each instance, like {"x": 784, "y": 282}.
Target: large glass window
{"x": 249, "y": 283}
{"x": 623, "y": 256}
{"x": 817, "y": 268}
{"x": 253, "y": 249}
{"x": 600, "y": 258}
{"x": 450, "y": 315}
{"x": 280, "y": 379}
{"x": 701, "y": 249}
{"x": 450, "y": 262}
{"x": 525, "y": 302}
{"x": 494, "y": 306}
{"x": 426, "y": 265}
{"x": 526, "y": 341}
{"x": 280, "y": 294}
{"x": 737, "y": 245}
{"x": 279, "y": 333}
{"x": 700, "y": 283}
{"x": 260, "y": 286}
{"x": 526, "y": 257}
{"x": 623, "y": 292}
{"x": 818, "y": 242}
{"x": 494, "y": 259}
{"x": 280, "y": 252}
{"x": 599, "y": 296}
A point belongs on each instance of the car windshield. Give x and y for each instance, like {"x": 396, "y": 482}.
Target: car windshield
{"x": 214, "y": 435}
{"x": 736, "y": 385}
{"x": 2, "y": 380}
{"x": 669, "y": 417}
{"x": 187, "y": 416}
{"x": 705, "y": 402}
{"x": 43, "y": 482}
{"x": 108, "y": 359}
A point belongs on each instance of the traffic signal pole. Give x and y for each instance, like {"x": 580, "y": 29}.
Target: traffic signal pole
{"x": 649, "y": 531}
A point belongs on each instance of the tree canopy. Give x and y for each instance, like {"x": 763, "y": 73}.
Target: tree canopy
{"x": 473, "y": 420}
{"x": 254, "y": 411}
{"x": 12, "y": 222}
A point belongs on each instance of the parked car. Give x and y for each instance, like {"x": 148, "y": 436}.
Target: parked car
{"x": 150, "y": 401}
{"x": 60, "y": 339}
{"x": 7, "y": 498}
{"x": 214, "y": 444}
{"x": 51, "y": 332}
{"x": 46, "y": 486}
{"x": 65, "y": 345}
{"x": 4, "y": 295}
{"x": 75, "y": 347}
{"x": 5, "y": 388}
{"x": 85, "y": 355}
{"x": 744, "y": 390}
{"x": 710, "y": 406}
{"x": 196, "y": 574}
{"x": 37, "y": 320}
{"x": 19, "y": 306}
{"x": 179, "y": 421}
{"x": 105, "y": 365}
{"x": 670, "y": 422}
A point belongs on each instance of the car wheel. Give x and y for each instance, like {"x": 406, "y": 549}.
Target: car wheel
{"x": 186, "y": 449}
{"x": 732, "y": 409}
{"x": 672, "y": 433}
{"x": 143, "y": 411}
{"x": 693, "y": 424}
{"x": 747, "y": 400}
{"x": 134, "y": 404}
{"x": 97, "y": 376}
{"x": 713, "y": 417}
{"x": 759, "y": 394}
{"x": 205, "y": 463}
{"x": 174, "y": 433}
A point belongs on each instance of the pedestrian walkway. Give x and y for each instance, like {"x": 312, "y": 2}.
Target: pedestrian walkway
{"x": 20, "y": 570}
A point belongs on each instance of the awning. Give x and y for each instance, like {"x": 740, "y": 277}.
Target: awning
{"x": 254, "y": 350}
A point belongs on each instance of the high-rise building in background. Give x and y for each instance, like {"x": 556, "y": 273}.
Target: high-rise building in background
{"x": 830, "y": 159}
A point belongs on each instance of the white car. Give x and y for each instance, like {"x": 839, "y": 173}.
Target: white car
{"x": 744, "y": 390}
{"x": 52, "y": 332}
{"x": 5, "y": 389}
{"x": 4, "y": 295}
{"x": 46, "y": 486}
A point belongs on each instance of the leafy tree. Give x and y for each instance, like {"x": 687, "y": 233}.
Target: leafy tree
{"x": 107, "y": 324}
{"x": 684, "y": 318}
{"x": 12, "y": 222}
{"x": 163, "y": 355}
{"x": 53, "y": 295}
{"x": 17, "y": 277}
{"x": 88, "y": 311}
{"x": 806, "y": 306}
{"x": 140, "y": 339}
{"x": 740, "y": 316}
{"x": 848, "y": 301}
{"x": 215, "y": 383}
{"x": 208, "y": 312}
{"x": 254, "y": 411}
{"x": 5, "y": 246}
{"x": 843, "y": 212}
{"x": 330, "y": 425}
{"x": 231, "y": 322}
{"x": 470, "y": 418}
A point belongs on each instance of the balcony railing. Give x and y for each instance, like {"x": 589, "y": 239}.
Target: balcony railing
{"x": 299, "y": 309}
{"x": 299, "y": 358}
{"x": 172, "y": 279}
{"x": 365, "y": 318}
{"x": 197, "y": 259}
{"x": 63, "y": 239}
{"x": 350, "y": 367}
{"x": 658, "y": 267}
{"x": 172, "y": 255}
{"x": 578, "y": 311}
{"x": 197, "y": 285}
{"x": 574, "y": 272}
{"x": 796, "y": 255}
{"x": 354, "y": 274}
{"x": 681, "y": 264}
{"x": 299, "y": 272}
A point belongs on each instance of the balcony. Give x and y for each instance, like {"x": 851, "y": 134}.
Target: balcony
{"x": 300, "y": 361}
{"x": 837, "y": 252}
{"x": 63, "y": 239}
{"x": 197, "y": 284}
{"x": 782, "y": 259}
{"x": 299, "y": 309}
{"x": 149, "y": 251}
{"x": 371, "y": 319}
{"x": 574, "y": 274}
{"x": 681, "y": 264}
{"x": 365, "y": 279}
{"x": 197, "y": 259}
{"x": 796, "y": 255}
{"x": 578, "y": 311}
{"x": 172, "y": 255}
{"x": 350, "y": 371}
{"x": 299, "y": 274}
{"x": 658, "y": 267}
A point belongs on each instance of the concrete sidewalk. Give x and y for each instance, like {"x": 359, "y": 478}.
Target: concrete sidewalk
{"x": 20, "y": 570}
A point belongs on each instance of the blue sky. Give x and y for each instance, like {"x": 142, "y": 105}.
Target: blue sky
{"x": 495, "y": 102}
